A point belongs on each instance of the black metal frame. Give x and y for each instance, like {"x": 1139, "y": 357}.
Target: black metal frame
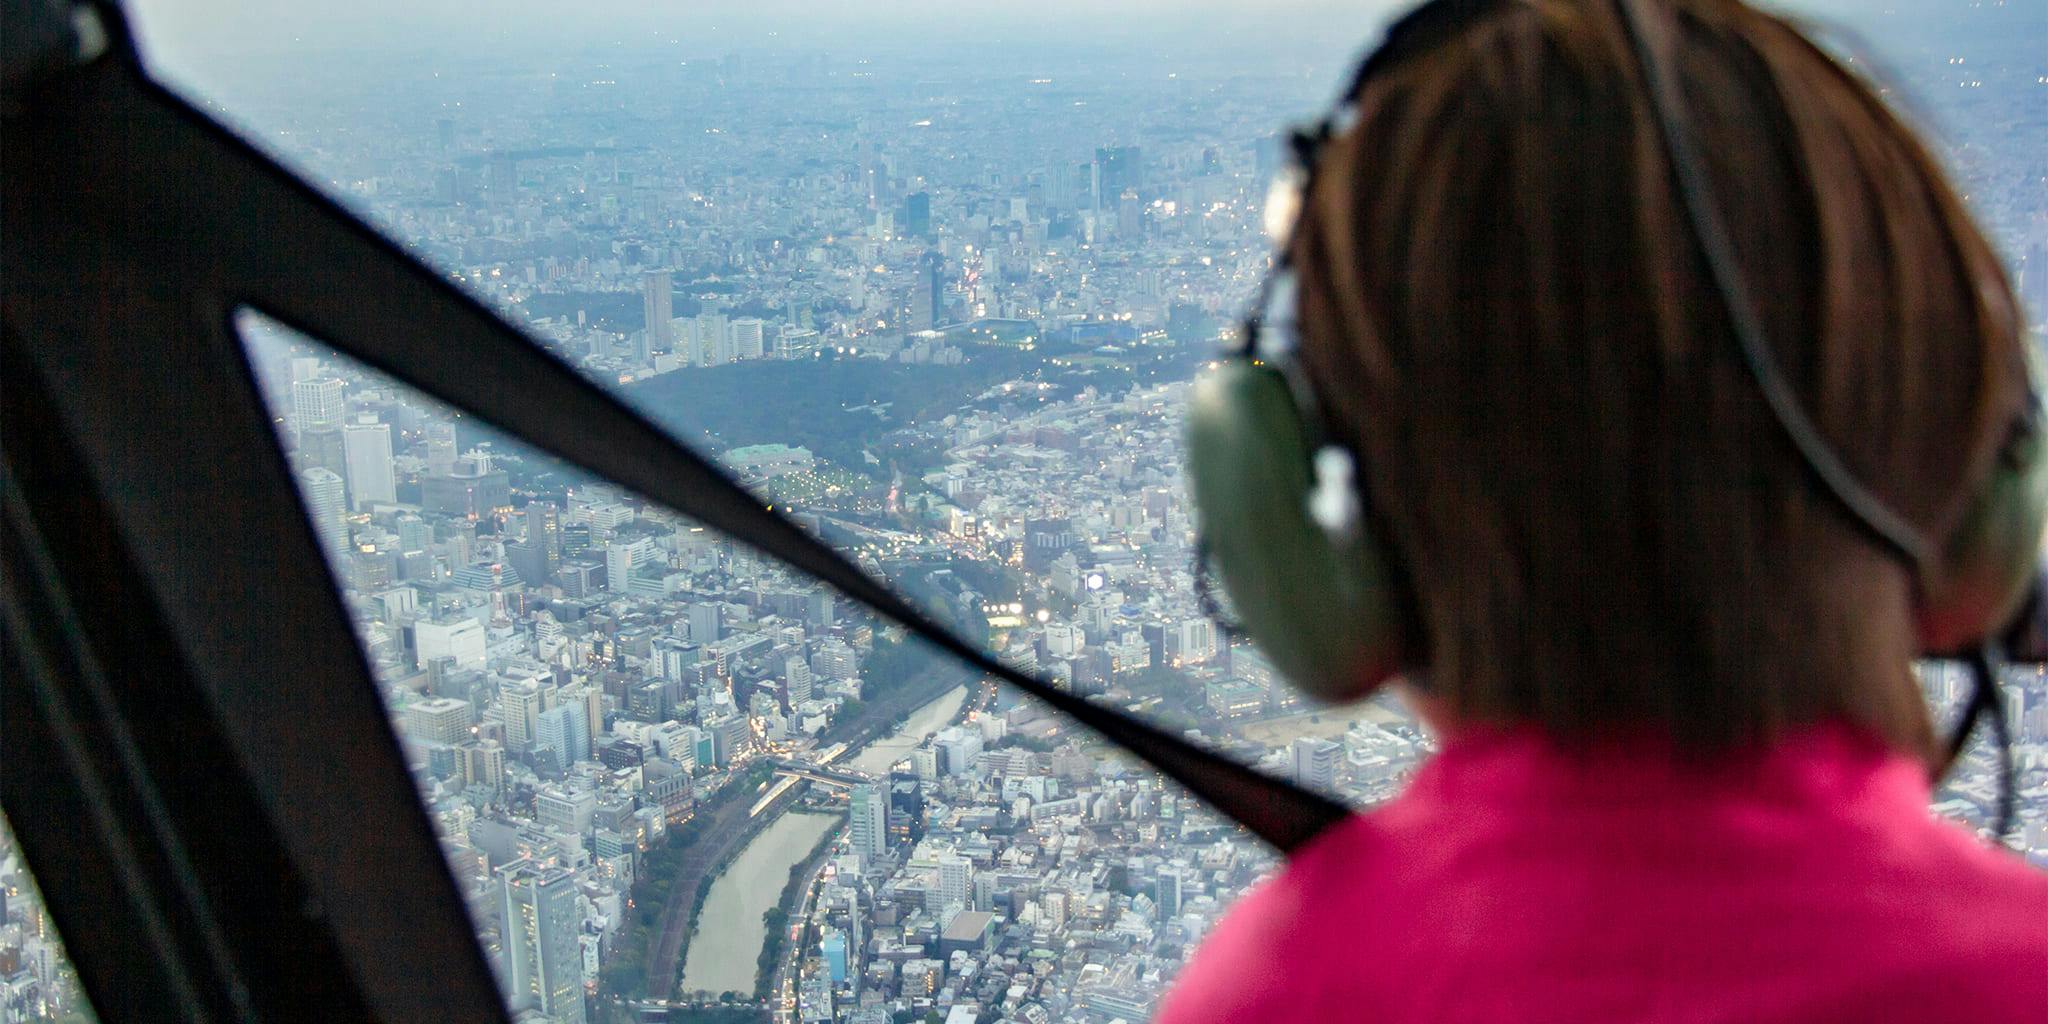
{"x": 173, "y": 645}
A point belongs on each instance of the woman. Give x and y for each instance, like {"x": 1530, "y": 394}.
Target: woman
{"x": 1685, "y": 762}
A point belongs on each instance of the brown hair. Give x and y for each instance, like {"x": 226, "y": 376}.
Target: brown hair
{"x": 1504, "y": 311}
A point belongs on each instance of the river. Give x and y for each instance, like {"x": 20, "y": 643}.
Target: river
{"x": 727, "y": 947}
{"x": 876, "y": 757}
{"x": 726, "y": 950}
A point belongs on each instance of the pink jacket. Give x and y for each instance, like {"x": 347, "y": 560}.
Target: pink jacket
{"x": 1515, "y": 882}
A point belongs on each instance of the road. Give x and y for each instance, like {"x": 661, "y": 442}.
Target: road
{"x": 782, "y": 987}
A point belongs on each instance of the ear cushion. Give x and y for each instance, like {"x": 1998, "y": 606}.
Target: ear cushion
{"x": 1328, "y": 612}
{"x": 1993, "y": 557}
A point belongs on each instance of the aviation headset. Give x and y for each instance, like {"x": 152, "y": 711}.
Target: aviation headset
{"x": 1283, "y": 503}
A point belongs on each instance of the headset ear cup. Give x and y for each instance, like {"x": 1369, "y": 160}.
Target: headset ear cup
{"x": 1992, "y": 559}
{"x": 1328, "y": 612}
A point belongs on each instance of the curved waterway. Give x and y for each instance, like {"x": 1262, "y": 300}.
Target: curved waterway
{"x": 727, "y": 947}
{"x": 876, "y": 757}
{"x": 726, "y": 950}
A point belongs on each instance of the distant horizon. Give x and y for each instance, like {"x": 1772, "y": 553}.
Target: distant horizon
{"x": 177, "y": 31}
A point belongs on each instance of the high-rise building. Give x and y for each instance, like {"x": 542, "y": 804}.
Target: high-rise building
{"x": 1166, "y": 892}
{"x": 438, "y": 720}
{"x": 795, "y": 342}
{"x": 413, "y": 532}
{"x": 958, "y": 746}
{"x": 818, "y": 609}
{"x": 1195, "y": 640}
{"x": 564, "y": 729}
{"x": 657, "y": 301}
{"x": 327, "y": 503}
{"x": 714, "y": 343}
{"x": 622, "y": 557}
{"x": 1118, "y": 168}
{"x": 487, "y": 763}
{"x": 318, "y": 403}
{"x": 1315, "y": 762}
{"x": 544, "y": 527}
{"x": 704, "y": 624}
{"x": 906, "y": 807}
{"x": 538, "y": 922}
{"x": 522, "y": 703}
{"x": 672, "y": 656}
{"x": 471, "y": 490}
{"x": 730, "y": 735}
{"x": 927, "y": 294}
{"x": 917, "y": 214}
{"x": 956, "y": 880}
{"x": 833, "y": 948}
{"x": 748, "y": 338}
{"x": 797, "y": 674}
{"x": 462, "y": 640}
{"x": 529, "y": 561}
{"x": 325, "y": 448}
{"x": 366, "y": 449}
{"x": 835, "y": 660}
{"x": 870, "y": 821}
{"x": 1129, "y": 215}
{"x": 504, "y": 179}
{"x": 441, "y": 451}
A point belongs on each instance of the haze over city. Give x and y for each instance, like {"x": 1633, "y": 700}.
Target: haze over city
{"x": 934, "y": 280}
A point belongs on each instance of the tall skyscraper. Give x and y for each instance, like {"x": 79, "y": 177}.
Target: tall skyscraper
{"x": 366, "y": 449}
{"x": 714, "y": 343}
{"x": 565, "y": 729}
{"x": 522, "y": 703}
{"x": 870, "y": 821}
{"x": 1166, "y": 893}
{"x": 441, "y": 451}
{"x": 324, "y": 447}
{"x": 327, "y": 503}
{"x": 658, "y": 302}
{"x": 747, "y": 339}
{"x": 538, "y": 921}
{"x": 1117, "y": 168}
{"x": 1130, "y": 220}
{"x": 544, "y": 532}
{"x": 917, "y": 214}
{"x": 927, "y": 294}
{"x": 504, "y": 179}
{"x": 318, "y": 403}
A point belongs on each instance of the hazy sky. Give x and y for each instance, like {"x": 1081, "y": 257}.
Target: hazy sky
{"x": 263, "y": 27}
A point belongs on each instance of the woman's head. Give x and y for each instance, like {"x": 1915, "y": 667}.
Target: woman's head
{"x": 1503, "y": 310}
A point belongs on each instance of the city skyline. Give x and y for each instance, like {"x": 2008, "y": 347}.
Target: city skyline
{"x": 943, "y": 312}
